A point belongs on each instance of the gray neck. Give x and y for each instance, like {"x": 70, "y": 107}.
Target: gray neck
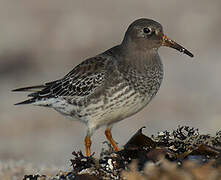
{"x": 140, "y": 59}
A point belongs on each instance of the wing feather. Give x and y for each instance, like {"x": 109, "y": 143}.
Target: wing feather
{"x": 83, "y": 80}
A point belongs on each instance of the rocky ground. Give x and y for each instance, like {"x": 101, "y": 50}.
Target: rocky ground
{"x": 181, "y": 154}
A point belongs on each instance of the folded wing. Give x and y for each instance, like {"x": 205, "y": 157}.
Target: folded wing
{"x": 83, "y": 80}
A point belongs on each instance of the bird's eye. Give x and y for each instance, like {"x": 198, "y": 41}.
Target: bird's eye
{"x": 147, "y": 30}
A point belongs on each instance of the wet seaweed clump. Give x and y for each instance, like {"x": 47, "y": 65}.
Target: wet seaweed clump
{"x": 183, "y": 153}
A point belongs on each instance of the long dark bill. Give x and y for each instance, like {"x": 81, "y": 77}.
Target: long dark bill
{"x": 170, "y": 43}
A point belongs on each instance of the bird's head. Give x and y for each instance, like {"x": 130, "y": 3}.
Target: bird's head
{"x": 147, "y": 34}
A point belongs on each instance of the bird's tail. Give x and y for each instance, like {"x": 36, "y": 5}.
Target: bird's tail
{"x": 38, "y": 92}
{"x": 30, "y": 88}
{"x": 33, "y": 89}
{"x": 29, "y": 101}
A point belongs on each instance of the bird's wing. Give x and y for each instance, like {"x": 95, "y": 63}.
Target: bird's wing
{"x": 83, "y": 80}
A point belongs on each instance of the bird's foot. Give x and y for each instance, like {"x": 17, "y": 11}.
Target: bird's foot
{"x": 111, "y": 140}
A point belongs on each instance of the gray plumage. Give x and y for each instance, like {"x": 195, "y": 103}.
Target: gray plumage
{"x": 112, "y": 85}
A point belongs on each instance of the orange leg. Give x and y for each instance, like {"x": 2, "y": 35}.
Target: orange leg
{"x": 109, "y": 137}
{"x": 87, "y": 142}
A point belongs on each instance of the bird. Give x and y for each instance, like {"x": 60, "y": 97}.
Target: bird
{"x": 112, "y": 85}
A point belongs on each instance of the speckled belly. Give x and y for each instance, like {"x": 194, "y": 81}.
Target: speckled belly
{"x": 118, "y": 103}
{"x": 124, "y": 105}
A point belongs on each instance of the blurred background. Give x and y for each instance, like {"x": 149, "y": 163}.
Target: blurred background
{"x": 41, "y": 41}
